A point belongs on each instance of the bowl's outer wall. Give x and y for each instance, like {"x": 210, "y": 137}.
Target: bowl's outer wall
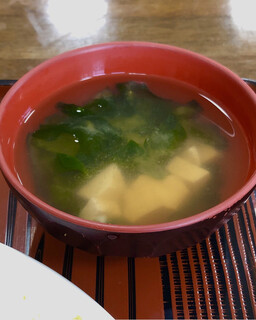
{"x": 142, "y": 58}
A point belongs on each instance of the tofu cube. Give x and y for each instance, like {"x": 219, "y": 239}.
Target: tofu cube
{"x": 200, "y": 153}
{"x": 188, "y": 171}
{"x": 98, "y": 209}
{"x": 191, "y": 154}
{"x": 175, "y": 192}
{"x": 108, "y": 184}
{"x": 147, "y": 194}
{"x": 104, "y": 193}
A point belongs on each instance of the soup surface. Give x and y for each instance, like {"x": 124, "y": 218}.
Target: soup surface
{"x": 134, "y": 150}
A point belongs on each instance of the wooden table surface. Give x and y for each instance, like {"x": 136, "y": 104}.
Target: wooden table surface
{"x": 32, "y": 31}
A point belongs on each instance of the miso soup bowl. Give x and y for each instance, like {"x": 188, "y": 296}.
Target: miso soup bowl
{"x": 117, "y": 58}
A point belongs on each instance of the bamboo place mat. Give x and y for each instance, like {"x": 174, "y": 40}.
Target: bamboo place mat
{"x": 215, "y": 279}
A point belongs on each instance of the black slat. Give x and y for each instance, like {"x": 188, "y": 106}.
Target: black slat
{"x": 7, "y": 82}
{"x": 68, "y": 262}
{"x": 40, "y": 249}
{"x": 166, "y": 287}
{"x": 177, "y": 285}
{"x": 28, "y": 234}
{"x": 99, "y": 292}
{"x": 12, "y": 207}
{"x": 131, "y": 288}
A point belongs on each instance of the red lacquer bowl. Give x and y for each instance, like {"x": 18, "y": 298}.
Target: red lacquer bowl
{"x": 137, "y": 58}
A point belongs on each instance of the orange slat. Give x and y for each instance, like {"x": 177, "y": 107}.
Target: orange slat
{"x": 245, "y": 263}
{"x": 54, "y": 251}
{"x": 149, "y": 291}
{"x": 195, "y": 284}
{"x": 227, "y": 276}
{"x": 215, "y": 278}
{"x": 116, "y": 287}
{"x": 251, "y": 213}
{"x": 20, "y": 229}
{"x": 37, "y": 231}
{"x": 205, "y": 283}
{"x": 84, "y": 271}
{"x": 183, "y": 285}
{"x": 234, "y": 264}
{"x": 248, "y": 233}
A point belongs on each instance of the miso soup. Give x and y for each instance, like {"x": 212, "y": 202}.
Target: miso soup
{"x": 128, "y": 149}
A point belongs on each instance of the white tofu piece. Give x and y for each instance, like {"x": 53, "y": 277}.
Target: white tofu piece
{"x": 188, "y": 171}
{"x": 98, "y": 209}
{"x": 175, "y": 192}
{"x": 200, "y": 153}
{"x": 108, "y": 184}
{"x": 191, "y": 154}
{"x": 141, "y": 197}
{"x": 147, "y": 194}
